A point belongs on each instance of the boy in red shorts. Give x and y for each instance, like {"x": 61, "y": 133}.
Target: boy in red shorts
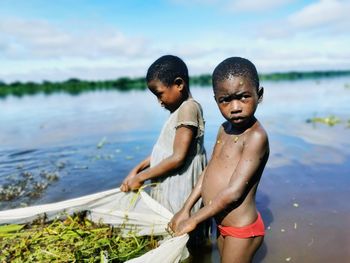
{"x": 229, "y": 183}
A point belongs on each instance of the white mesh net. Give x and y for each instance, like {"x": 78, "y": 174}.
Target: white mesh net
{"x": 136, "y": 212}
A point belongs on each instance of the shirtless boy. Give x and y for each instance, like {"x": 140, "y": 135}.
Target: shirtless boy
{"x": 229, "y": 183}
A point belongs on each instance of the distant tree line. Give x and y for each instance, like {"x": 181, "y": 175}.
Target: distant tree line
{"x": 295, "y": 75}
{"x": 72, "y": 86}
{"x": 76, "y": 86}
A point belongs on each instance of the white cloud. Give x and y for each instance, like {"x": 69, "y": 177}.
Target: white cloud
{"x": 322, "y": 13}
{"x": 36, "y": 39}
{"x": 325, "y": 18}
{"x": 26, "y": 28}
{"x": 237, "y": 5}
{"x": 325, "y": 15}
{"x": 255, "y": 5}
{"x": 37, "y": 49}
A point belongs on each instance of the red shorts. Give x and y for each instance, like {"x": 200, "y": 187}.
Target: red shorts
{"x": 253, "y": 230}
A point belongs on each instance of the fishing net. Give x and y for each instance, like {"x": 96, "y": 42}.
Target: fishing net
{"x": 131, "y": 212}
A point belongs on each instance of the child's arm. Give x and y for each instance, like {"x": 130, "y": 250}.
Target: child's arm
{"x": 183, "y": 137}
{"x": 138, "y": 168}
{"x": 251, "y": 160}
{"x": 196, "y": 193}
{"x": 184, "y": 213}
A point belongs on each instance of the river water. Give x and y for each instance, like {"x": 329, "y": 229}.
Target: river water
{"x": 61, "y": 146}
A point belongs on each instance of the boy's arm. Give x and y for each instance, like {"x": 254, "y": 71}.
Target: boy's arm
{"x": 196, "y": 191}
{"x": 183, "y": 139}
{"x": 184, "y": 213}
{"x": 251, "y": 160}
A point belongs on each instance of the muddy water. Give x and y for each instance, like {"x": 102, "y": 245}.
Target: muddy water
{"x": 63, "y": 146}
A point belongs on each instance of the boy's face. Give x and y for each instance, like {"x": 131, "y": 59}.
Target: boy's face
{"x": 237, "y": 100}
{"x": 169, "y": 97}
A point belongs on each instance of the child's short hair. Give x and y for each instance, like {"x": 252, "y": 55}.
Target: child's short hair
{"x": 166, "y": 69}
{"x": 238, "y": 67}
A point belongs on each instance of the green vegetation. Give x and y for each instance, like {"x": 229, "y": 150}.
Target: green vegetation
{"x": 72, "y": 86}
{"x": 305, "y": 75}
{"x": 330, "y": 120}
{"x": 76, "y": 239}
{"x": 76, "y": 86}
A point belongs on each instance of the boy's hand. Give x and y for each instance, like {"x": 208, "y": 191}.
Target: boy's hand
{"x": 177, "y": 218}
{"x": 185, "y": 226}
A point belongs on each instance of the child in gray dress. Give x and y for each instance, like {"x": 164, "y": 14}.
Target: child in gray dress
{"x": 178, "y": 157}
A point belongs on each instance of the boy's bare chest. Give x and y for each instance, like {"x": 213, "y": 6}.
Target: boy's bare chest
{"x": 225, "y": 158}
{"x": 220, "y": 168}
{"x": 228, "y": 147}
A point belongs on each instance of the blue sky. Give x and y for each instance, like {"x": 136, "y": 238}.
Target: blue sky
{"x": 97, "y": 39}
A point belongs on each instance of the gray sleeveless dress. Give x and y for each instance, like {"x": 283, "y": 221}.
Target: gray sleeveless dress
{"x": 173, "y": 189}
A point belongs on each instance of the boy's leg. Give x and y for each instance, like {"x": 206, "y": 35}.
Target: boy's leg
{"x": 220, "y": 242}
{"x": 239, "y": 250}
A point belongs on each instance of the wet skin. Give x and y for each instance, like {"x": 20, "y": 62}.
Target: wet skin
{"x": 229, "y": 183}
{"x": 239, "y": 155}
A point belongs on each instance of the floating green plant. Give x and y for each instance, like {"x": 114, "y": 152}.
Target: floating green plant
{"x": 101, "y": 143}
{"x": 330, "y": 120}
{"x": 26, "y": 185}
{"x": 75, "y": 239}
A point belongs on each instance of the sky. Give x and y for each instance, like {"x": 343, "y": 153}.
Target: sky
{"x": 105, "y": 39}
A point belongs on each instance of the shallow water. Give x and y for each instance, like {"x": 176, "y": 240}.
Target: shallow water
{"x": 62, "y": 146}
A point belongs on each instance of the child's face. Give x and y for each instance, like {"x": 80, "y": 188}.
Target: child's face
{"x": 237, "y": 100}
{"x": 169, "y": 97}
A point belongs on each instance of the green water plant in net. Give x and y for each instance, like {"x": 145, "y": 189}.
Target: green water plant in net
{"x": 75, "y": 239}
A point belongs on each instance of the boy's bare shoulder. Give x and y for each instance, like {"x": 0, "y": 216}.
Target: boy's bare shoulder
{"x": 257, "y": 136}
{"x": 254, "y": 134}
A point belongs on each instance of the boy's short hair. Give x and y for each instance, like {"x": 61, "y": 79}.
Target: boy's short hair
{"x": 166, "y": 69}
{"x": 235, "y": 67}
